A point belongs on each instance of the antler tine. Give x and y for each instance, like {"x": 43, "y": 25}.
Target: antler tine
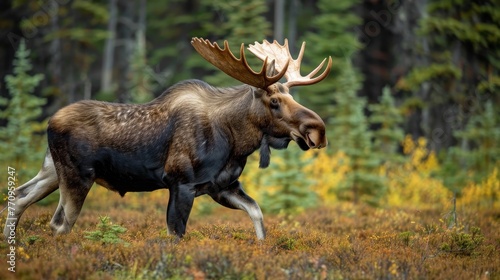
{"x": 281, "y": 53}
{"x": 308, "y": 80}
{"x": 237, "y": 68}
{"x": 275, "y": 51}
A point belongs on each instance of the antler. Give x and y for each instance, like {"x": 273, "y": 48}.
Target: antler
{"x": 281, "y": 54}
{"x": 234, "y": 67}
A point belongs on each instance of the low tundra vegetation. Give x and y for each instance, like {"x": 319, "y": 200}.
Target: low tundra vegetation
{"x": 342, "y": 241}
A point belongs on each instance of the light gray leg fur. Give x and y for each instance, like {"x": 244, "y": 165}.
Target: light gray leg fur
{"x": 238, "y": 199}
{"x": 43, "y": 184}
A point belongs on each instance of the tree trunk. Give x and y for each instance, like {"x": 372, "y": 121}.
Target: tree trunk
{"x": 389, "y": 34}
{"x": 279, "y": 20}
{"x": 376, "y": 56}
{"x": 126, "y": 28}
{"x": 292, "y": 24}
{"x": 109, "y": 49}
{"x": 55, "y": 68}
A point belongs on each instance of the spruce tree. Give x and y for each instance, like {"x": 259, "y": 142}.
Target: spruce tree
{"x": 141, "y": 81}
{"x": 19, "y": 142}
{"x": 349, "y": 127}
{"x": 387, "y": 118}
{"x": 333, "y": 36}
{"x": 291, "y": 188}
{"x": 482, "y": 132}
{"x": 243, "y": 22}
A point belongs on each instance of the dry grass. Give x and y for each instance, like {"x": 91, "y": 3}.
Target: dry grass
{"x": 337, "y": 242}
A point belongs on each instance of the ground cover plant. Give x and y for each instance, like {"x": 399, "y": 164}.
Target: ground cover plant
{"x": 342, "y": 241}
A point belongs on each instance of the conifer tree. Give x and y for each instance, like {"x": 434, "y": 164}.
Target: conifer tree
{"x": 291, "y": 189}
{"x": 458, "y": 79}
{"x": 350, "y": 134}
{"x": 244, "y": 22}
{"x": 458, "y": 68}
{"x": 388, "y": 135}
{"x": 170, "y": 29}
{"x": 333, "y": 36}
{"x": 141, "y": 84}
{"x": 19, "y": 144}
{"x": 483, "y": 134}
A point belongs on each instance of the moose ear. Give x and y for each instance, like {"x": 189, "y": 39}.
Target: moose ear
{"x": 271, "y": 69}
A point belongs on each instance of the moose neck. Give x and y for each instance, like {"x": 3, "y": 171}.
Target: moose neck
{"x": 237, "y": 114}
{"x": 232, "y": 111}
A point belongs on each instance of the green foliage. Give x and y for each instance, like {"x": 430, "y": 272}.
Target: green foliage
{"x": 20, "y": 138}
{"x": 389, "y": 134}
{"x": 169, "y": 29}
{"x": 349, "y": 126}
{"x": 489, "y": 86}
{"x": 472, "y": 163}
{"x": 482, "y": 133}
{"x": 286, "y": 243}
{"x": 331, "y": 37}
{"x": 141, "y": 82}
{"x": 236, "y": 17}
{"x": 106, "y": 232}
{"x": 479, "y": 35}
{"x": 461, "y": 243}
{"x": 461, "y": 46}
{"x": 214, "y": 20}
{"x": 98, "y": 12}
{"x": 32, "y": 239}
{"x": 239, "y": 16}
{"x": 435, "y": 72}
{"x": 406, "y": 237}
{"x": 290, "y": 189}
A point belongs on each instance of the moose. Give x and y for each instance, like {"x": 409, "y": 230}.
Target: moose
{"x": 193, "y": 139}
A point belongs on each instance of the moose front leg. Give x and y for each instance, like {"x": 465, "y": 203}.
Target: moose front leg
{"x": 235, "y": 198}
{"x": 178, "y": 210}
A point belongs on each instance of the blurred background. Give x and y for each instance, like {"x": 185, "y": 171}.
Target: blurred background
{"x": 411, "y": 104}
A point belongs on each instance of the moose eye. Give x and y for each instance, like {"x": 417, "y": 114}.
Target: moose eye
{"x": 275, "y": 103}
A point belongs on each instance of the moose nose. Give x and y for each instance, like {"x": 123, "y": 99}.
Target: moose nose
{"x": 314, "y": 133}
{"x": 311, "y": 128}
{"x": 316, "y": 139}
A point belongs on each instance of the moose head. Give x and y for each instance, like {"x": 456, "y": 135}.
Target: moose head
{"x": 276, "y": 109}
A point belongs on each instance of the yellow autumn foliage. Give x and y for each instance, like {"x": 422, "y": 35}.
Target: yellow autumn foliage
{"x": 251, "y": 178}
{"x": 410, "y": 183}
{"x": 326, "y": 171}
{"x": 483, "y": 195}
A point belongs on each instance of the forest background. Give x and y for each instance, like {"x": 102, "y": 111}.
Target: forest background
{"x": 411, "y": 104}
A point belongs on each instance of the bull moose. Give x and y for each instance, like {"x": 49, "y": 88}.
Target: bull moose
{"x": 193, "y": 139}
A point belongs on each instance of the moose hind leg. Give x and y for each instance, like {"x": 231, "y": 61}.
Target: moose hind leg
{"x": 73, "y": 191}
{"x": 43, "y": 184}
{"x": 234, "y": 197}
